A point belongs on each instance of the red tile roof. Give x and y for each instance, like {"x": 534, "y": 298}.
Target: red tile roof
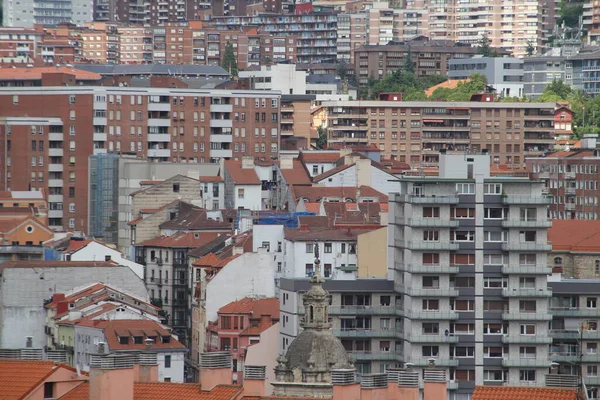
{"x": 523, "y": 393}
{"x": 35, "y": 73}
{"x": 213, "y": 261}
{"x": 181, "y": 239}
{"x": 315, "y": 157}
{"x": 575, "y": 235}
{"x": 239, "y": 175}
{"x": 19, "y": 377}
{"x": 192, "y": 218}
{"x": 314, "y": 194}
{"x": 75, "y": 245}
{"x": 296, "y": 175}
{"x": 256, "y": 307}
{"x": 133, "y": 327}
{"x": 331, "y": 172}
{"x": 211, "y": 179}
{"x": 165, "y": 391}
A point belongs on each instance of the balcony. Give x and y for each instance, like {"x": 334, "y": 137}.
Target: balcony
{"x": 223, "y": 153}
{"x": 527, "y": 200}
{"x": 100, "y": 151}
{"x": 526, "y": 339}
{"x": 429, "y": 245}
{"x": 372, "y": 333}
{"x": 426, "y": 268}
{"x": 526, "y": 246}
{"x": 221, "y": 123}
{"x": 439, "y": 362}
{"x": 55, "y": 136}
{"x": 159, "y": 153}
{"x": 404, "y": 198}
{"x": 55, "y": 198}
{"x": 159, "y": 137}
{"x": 55, "y": 183}
{"x": 434, "y": 339}
{"x": 100, "y": 137}
{"x": 55, "y": 168}
{"x": 55, "y": 152}
{"x": 526, "y": 362}
{"x": 526, "y": 292}
{"x": 571, "y": 191}
{"x": 574, "y": 312}
{"x": 359, "y": 310}
{"x": 570, "y": 175}
{"x": 420, "y": 292}
{"x": 159, "y": 122}
{"x": 433, "y": 315}
{"x": 526, "y": 224}
{"x": 431, "y": 222}
{"x": 55, "y": 213}
{"x": 526, "y": 316}
{"x": 159, "y": 106}
{"x": 375, "y": 355}
{"x": 221, "y": 108}
{"x": 221, "y": 138}
{"x": 570, "y": 206}
{"x": 99, "y": 121}
{"x": 526, "y": 269}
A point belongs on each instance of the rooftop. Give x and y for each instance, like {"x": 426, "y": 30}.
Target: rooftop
{"x": 21, "y": 195}
{"x": 181, "y": 239}
{"x": 314, "y": 194}
{"x": 256, "y": 307}
{"x": 575, "y": 235}
{"x": 523, "y": 393}
{"x": 297, "y": 175}
{"x": 58, "y": 264}
{"x": 319, "y": 156}
{"x": 164, "y": 391}
{"x": 20, "y": 377}
{"x": 241, "y": 176}
{"x": 194, "y": 218}
{"x": 131, "y": 328}
{"x": 153, "y": 69}
{"x": 35, "y": 73}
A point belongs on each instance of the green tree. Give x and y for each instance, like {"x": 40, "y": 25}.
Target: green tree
{"x": 229, "y": 62}
{"x": 342, "y": 70}
{"x": 409, "y": 65}
{"x": 483, "y": 46}
{"x": 570, "y": 11}
{"x": 463, "y": 91}
{"x": 322, "y": 139}
{"x": 530, "y": 49}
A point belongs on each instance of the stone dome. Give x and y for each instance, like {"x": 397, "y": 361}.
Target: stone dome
{"x": 318, "y": 350}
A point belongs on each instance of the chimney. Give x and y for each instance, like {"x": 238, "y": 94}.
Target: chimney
{"x": 101, "y": 348}
{"x": 58, "y": 297}
{"x": 344, "y": 384}
{"x": 393, "y": 391}
{"x": 435, "y": 385}
{"x": 28, "y": 342}
{"x": 408, "y": 384}
{"x": 215, "y": 369}
{"x": 286, "y": 162}
{"x": 146, "y": 369}
{"x": 112, "y": 377}
{"x": 373, "y": 386}
{"x": 265, "y": 321}
{"x": 62, "y": 307}
{"x": 247, "y": 162}
{"x": 255, "y": 380}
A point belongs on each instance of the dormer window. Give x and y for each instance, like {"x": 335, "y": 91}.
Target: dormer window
{"x": 166, "y": 339}
{"x": 138, "y": 339}
{"x": 123, "y": 340}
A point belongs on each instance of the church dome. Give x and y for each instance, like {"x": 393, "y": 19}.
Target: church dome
{"x": 318, "y": 350}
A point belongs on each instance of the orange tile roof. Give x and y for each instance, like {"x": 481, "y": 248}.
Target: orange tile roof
{"x": 449, "y": 84}
{"x": 75, "y": 245}
{"x": 314, "y": 193}
{"x": 296, "y": 175}
{"x": 319, "y": 157}
{"x": 30, "y": 74}
{"x": 165, "y": 391}
{"x": 256, "y": 307}
{"x": 181, "y": 239}
{"x": 214, "y": 262}
{"x": 130, "y": 326}
{"x": 58, "y": 264}
{"x": 239, "y": 175}
{"x": 210, "y": 179}
{"x": 575, "y": 235}
{"x": 523, "y": 393}
{"x": 20, "y": 377}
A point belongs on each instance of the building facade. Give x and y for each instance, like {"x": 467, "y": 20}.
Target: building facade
{"x": 467, "y": 253}
{"x": 504, "y": 74}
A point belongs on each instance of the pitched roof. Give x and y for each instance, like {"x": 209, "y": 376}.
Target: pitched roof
{"x": 449, "y": 84}
{"x": 523, "y": 393}
{"x": 78, "y": 294}
{"x": 181, "y": 239}
{"x": 256, "y": 307}
{"x": 332, "y": 172}
{"x": 575, "y": 235}
{"x": 239, "y": 175}
{"x": 314, "y": 157}
{"x": 75, "y": 245}
{"x": 320, "y": 234}
{"x": 36, "y": 73}
{"x": 296, "y": 175}
{"x": 164, "y": 391}
{"x": 20, "y": 377}
{"x": 211, "y": 179}
{"x": 194, "y": 218}
{"x": 315, "y": 194}
{"x": 214, "y": 245}
{"x": 138, "y": 327}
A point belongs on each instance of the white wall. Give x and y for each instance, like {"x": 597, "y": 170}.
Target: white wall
{"x": 296, "y": 258}
{"x": 252, "y": 197}
{"x": 346, "y": 177}
{"x": 321, "y": 168}
{"x": 284, "y": 77}
{"x": 250, "y": 274}
{"x": 23, "y": 291}
{"x": 175, "y": 372}
{"x": 289, "y": 320}
{"x": 95, "y": 251}
{"x": 82, "y": 348}
{"x": 274, "y": 235}
{"x": 377, "y": 179}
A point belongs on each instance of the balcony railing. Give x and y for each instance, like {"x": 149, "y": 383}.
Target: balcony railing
{"x": 575, "y": 311}
{"x": 374, "y": 355}
{"x": 426, "y": 268}
{"x": 526, "y": 224}
{"x": 434, "y": 339}
{"x": 433, "y": 315}
{"x": 527, "y": 200}
{"x": 432, "y": 292}
{"x": 533, "y": 339}
{"x": 526, "y": 316}
{"x": 427, "y": 199}
{"x": 526, "y": 246}
{"x": 373, "y": 333}
{"x": 523, "y": 292}
{"x": 526, "y": 362}
{"x": 526, "y": 269}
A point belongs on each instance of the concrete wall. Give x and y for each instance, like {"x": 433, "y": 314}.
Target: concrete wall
{"x": 175, "y": 372}
{"x": 249, "y": 275}
{"x": 23, "y": 291}
{"x": 265, "y": 353}
{"x": 274, "y": 235}
{"x": 252, "y": 197}
{"x": 164, "y": 193}
{"x": 372, "y": 254}
{"x": 97, "y": 252}
{"x": 86, "y": 343}
{"x": 289, "y": 320}
{"x": 296, "y": 258}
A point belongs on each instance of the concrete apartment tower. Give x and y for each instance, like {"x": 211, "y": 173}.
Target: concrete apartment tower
{"x": 467, "y": 252}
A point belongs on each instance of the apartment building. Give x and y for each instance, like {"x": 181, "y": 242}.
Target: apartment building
{"x": 316, "y": 32}
{"x": 45, "y": 12}
{"x": 591, "y": 20}
{"x": 365, "y": 314}
{"x": 467, "y": 253}
{"x": 504, "y": 74}
{"x": 429, "y": 57}
{"x": 149, "y": 12}
{"x": 509, "y": 25}
{"x": 571, "y": 179}
{"x": 415, "y": 132}
{"x": 351, "y": 35}
{"x": 50, "y": 145}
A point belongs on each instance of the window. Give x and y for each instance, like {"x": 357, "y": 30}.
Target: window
{"x": 431, "y": 236}
{"x": 558, "y": 260}
{"x": 385, "y": 301}
{"x": 328, "y": 248}
{"x": 167, "y": 361}
{"x": 527, "y": 352}
{"x": 431, "y": 328}
{"x": 527, "y": 236}
{"x": 527, "y": 306}
{"x": 431, "y": 305}
{"x": 494, "y": 329}
{"x": 431, "y": 282}
{"x": 494, "y": 213}
{"x": 463, "y": 352}
{"x": 266, "y": 245}
{"x": 431, "y": 351}
{"x": 592, "y": 302}
{"x": 526, "y": 259}
{"x": 592, "y": 370}
{"x": 527, "y": 283}
{"x": 49, "y": 390}
{"x": 465, "y": 188}
{"x": 309, "y": 248}
{"x": 492, "y": 188}
{"x": 327, "y": 270}
{"x": 493, "y": 352}
{"x": 240, "y": 193}
{"x": 527, "y": 329}
{"x": 462, "y": 236}
{"x": 431, "y": 212}
{"x": 527, "y": 375}
{"x": 309, "y": 271}
{"x": 597, "y": 267}
{"x": 460, "y": 213}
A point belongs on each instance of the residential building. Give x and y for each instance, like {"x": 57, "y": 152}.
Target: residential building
{"x": 149, "y": 12}
{"x": 24, "y": 288}
{"x": 539, "y": 71}
{"x": 22, "y": 237}
{"x": 284, "y": 77}
{"x": 351, "y": 35}
{"x": 504, "y": 74}
{"x": 590, "y": 21}
{"x": 319, "y": 161}
{"x": 138, "y": 121}
{"x": 18, "y": 45}
{"x": 466, "y": 245}
{"x": 239, "y": 325}
{"x": 47, "y": 76}
{"x": 571, "y": 180}
{"x": 415, "y": 132}
{"x": 429, "y": 57}
{"x": 575, "y": 254}
{"x": 17, "y": 14}
{"x": 296, "y": 122}
{"x": 242, "y": 186}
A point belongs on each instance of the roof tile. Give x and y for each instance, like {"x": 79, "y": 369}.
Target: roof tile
{"x": 181, "y": 239}
{"x": 239, "y": 175}
{"x": 575, "y": 235}
{"x": 139, "y": 326}
{"x": 523, "y": 393}
{"x": 18, "y": 377}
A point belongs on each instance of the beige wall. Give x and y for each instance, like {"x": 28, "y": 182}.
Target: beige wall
{"x": 162, "y": 193}
{"x": 372, "y": 254}
{"x": 576, "y": 265}
{"x": 265, "y": 353}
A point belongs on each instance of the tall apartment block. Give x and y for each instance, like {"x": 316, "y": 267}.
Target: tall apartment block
{"x": 150, "y": 12}
{"x": 510, "y": 25}
{"x": 48, "y": 133}
{"x": 47, "y": 12}
{"x": 467, "y": 253}
{"x": 415, "y": 132}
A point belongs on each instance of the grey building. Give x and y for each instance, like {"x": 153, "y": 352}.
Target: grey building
{"x": 26, "y": 14}
{"x": 505, "y": 74}
{"x": 113, "y": 178}
{"x": 467, "y": 253}
{"x": 538, "y": 72}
